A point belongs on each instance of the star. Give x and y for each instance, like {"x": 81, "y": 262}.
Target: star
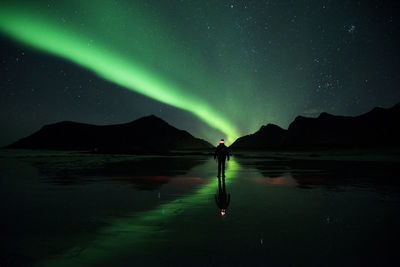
{"x": 351, "y": 29}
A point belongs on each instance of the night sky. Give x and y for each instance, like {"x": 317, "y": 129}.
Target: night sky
{"x": 218, "y": 69}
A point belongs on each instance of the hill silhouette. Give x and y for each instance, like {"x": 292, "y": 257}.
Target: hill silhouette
{"x": 146, "y": 135}
{"x": 149, "y": 135}
{"x": 377, "y": 128}
{"x": 268, "y": 136}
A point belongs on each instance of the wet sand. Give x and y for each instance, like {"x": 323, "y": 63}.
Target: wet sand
{"x": 74, "y": 209}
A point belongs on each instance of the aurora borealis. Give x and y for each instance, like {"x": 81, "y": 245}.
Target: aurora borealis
{"x": 214, "y": 68}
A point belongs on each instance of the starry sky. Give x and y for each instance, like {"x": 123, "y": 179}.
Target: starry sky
{"x": 218, "y": 69}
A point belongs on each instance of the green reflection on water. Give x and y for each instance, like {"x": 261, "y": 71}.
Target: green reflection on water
{"x": 125, "y": 234}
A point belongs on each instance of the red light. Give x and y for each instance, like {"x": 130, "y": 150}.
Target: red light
{"x": 222, "y": 141}
{"x": 223, "y": 212}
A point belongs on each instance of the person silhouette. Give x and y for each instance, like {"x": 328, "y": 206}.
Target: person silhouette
{"x": 221, "y": 153}
{"x": 222, "y": 199}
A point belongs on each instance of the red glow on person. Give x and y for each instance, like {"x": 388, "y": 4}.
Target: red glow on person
{"x": 223, "y": 212}
{"x": 222, "y": 141}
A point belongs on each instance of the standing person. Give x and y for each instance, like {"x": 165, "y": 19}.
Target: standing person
{"x": 221, "y": 153}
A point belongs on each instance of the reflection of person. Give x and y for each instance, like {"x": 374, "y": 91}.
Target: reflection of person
{"x": 221, "y": 153}
{"x": 222, "y": 199}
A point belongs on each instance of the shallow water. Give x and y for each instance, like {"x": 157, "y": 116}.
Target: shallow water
{"x": 72, "y": 209}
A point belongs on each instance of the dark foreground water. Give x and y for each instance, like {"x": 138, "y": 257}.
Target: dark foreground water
{"x": 71, "y": 209}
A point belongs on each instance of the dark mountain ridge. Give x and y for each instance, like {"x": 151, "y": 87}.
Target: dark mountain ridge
{"x": 146, "y": 135}
{"x": 376, "y": 128}
{"x": 268, "y": 136}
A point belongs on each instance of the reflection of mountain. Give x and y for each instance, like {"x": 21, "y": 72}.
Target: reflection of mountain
{"x": 308, "y": 173}
{"x": 377, "y": 128}
{"x": 334, "y": 174}
{"x": 146, "y": 135}
{"x": 144, "y": 173}
{"x": 268, "y": 168}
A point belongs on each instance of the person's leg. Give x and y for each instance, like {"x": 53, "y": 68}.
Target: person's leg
{"x": 219, "y": 167}
{"x": 223, "y": 168}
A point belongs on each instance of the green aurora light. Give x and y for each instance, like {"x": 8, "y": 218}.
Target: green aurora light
{"x": 34, "y": 30}
{"x": 232, "y": 66}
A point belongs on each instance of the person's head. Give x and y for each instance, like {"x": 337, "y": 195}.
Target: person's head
{"x": 223, "y": 212}
{"x": 222, "y": 142}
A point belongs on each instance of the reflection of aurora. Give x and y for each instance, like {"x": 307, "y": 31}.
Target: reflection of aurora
{"x": 34, "y": 30}
{"x": 124, "y": 233}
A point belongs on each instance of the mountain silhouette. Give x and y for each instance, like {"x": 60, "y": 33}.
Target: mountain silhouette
{"x": 146, "y": 135}
{"x": 377, "y": 128}
{"x": 149, "y": 135}
{"x": 268, "y": 136}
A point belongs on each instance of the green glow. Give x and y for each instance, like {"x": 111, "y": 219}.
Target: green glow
{"x": 32, "y": 29}
{"x": 124, "y": 233}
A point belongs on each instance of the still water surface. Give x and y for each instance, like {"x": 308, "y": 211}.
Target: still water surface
{"x": 71, "y": 209}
